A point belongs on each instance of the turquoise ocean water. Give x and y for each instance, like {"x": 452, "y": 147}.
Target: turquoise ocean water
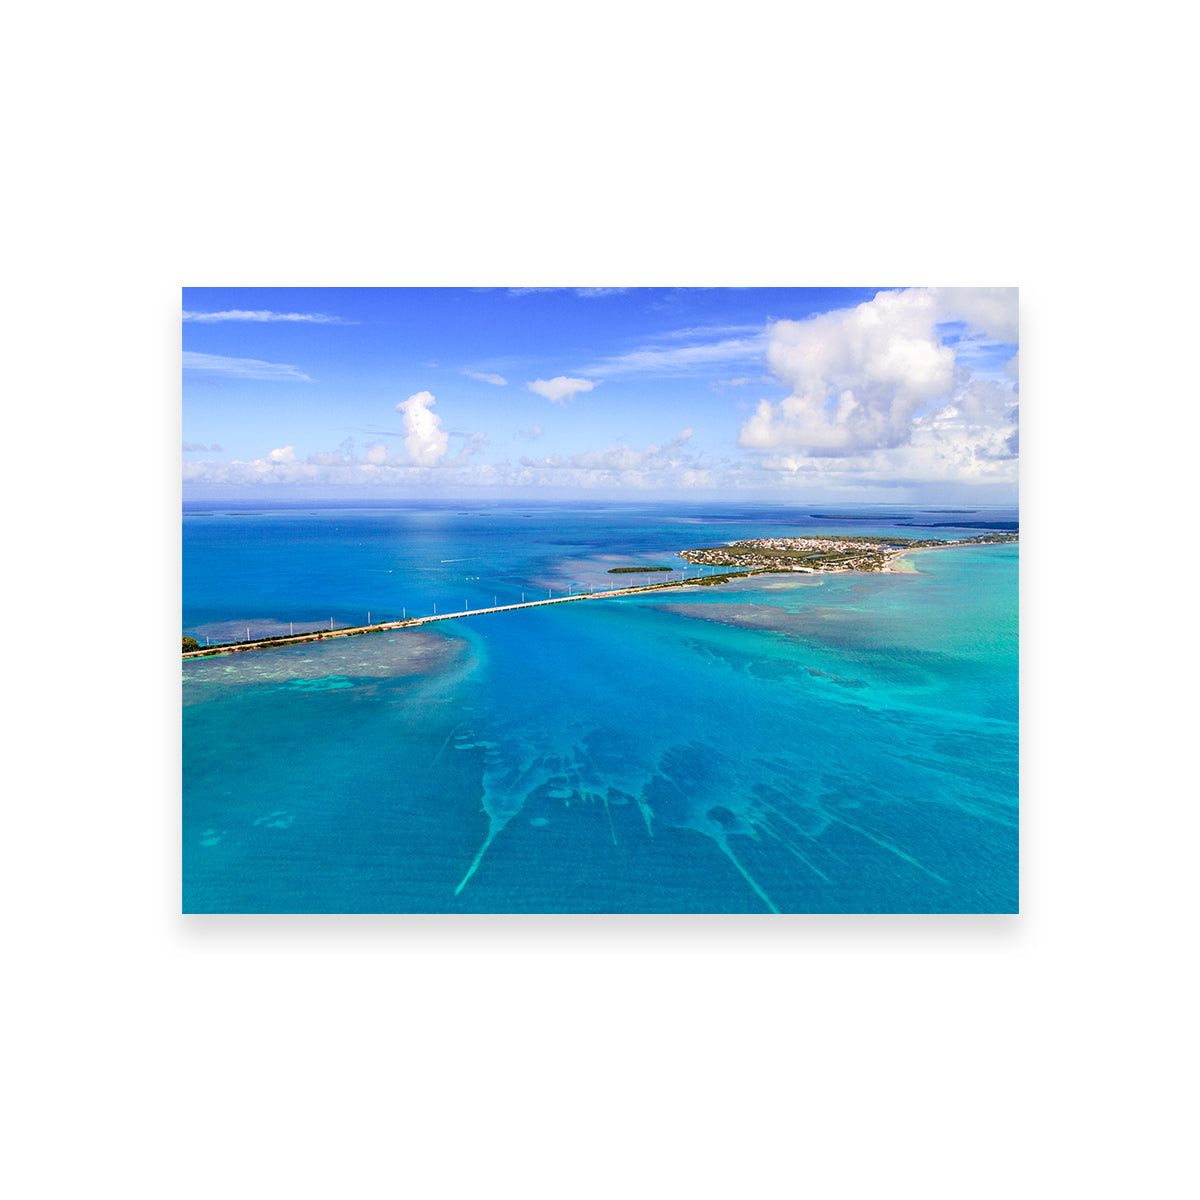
{"x": 832, "y": 743}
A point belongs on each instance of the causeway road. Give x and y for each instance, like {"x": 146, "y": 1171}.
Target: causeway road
{"x": 322, "y": 635}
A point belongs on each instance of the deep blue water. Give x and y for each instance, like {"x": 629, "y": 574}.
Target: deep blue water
{"x": 835, "y": 743}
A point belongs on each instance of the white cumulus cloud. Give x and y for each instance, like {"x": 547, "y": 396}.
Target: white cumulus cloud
{"x": 425, "y": 441}
{"x": 993, "y": 311}
{"x": 561, "y": 389}
{"x": 858, "y": 377}
{"x": 863, "y": 379}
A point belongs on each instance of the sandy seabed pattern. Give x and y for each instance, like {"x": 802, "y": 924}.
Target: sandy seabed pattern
{"x": 832, "y": 744}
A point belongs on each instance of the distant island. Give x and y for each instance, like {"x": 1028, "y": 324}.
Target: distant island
{"x": 635, "y": 570}
{"x": 823, "y": 552}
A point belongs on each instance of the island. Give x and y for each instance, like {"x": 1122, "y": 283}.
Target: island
{"x": 823, "y": 552}
{"x": 636, "y": 570}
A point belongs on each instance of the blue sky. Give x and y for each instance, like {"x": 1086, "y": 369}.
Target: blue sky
{"x": 604, "y": 393}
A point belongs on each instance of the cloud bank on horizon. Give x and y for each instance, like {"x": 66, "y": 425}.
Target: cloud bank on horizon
{"x": 694, "y": 392}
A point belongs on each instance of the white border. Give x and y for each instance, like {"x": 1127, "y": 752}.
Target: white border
{"x": 576, "y": 1057}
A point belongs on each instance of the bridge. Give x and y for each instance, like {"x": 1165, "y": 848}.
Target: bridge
{"x": 322, "y": 635}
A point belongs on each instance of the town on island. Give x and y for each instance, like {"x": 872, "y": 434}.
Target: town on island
{"x": 811, "y": 554}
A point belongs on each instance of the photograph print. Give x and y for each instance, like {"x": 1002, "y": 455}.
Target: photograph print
{"x": 600, "y": 600}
